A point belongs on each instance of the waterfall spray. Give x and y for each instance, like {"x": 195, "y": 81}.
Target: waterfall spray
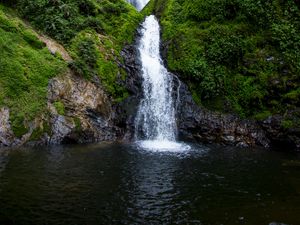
{"x": 155, "y": 123}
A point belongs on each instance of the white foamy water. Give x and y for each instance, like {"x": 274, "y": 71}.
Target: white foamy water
{"x": 139, "y": 4}
{"x": 155, "y": 122}
{"x": 163, "y": 146}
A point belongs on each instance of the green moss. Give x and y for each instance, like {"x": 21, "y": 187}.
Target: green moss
{"x": 40, "y": 131}
{"x": 60, "y": 108}
{"x": 293, "y": 95}
{"x": 196, "y": 98}
{"x": 77, "y": 124}
{"x": 286, "y": 124}
{"x": 18, "y": 126}
{"x": 25, "y": 69}
{"x": 263, "y": 115}
{"x": 246, "y": 52}
{"x": 94, "y": 31}
{"x": 36, "y": 134}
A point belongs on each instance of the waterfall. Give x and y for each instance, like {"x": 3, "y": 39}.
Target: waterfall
{"x": 156, "y": 115}
{"x": 139, "y": 4}
{"x": 155, "y": 123}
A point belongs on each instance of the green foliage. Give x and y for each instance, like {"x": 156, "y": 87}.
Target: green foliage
{"x": 25, "y": 69}
{"x": 18, "y": 126}
{"x": 60, "y": 107}
{"x": 77, "y": 124}
{"x": 286, "y": 124}
{"x": 111, "y": 22}
{"x": 72, "y": 21}
{"x": 245, "y": 52}
{"x": 85, "y": 56}
{"x": 63, "y": 19}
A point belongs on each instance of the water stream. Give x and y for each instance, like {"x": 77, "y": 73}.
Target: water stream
{"x": 139, "y": 4}
{"x": 155, "y": 124}
{"x": 155, "y": 121}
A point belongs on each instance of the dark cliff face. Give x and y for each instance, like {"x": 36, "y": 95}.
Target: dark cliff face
{"x": 199, "y": 124}
{"x": 281, "y": 138}
{"x": 196, "y": 123}
{"x": 126, "y": 110}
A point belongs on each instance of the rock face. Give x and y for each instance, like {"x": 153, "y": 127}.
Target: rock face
{"x": 126, "y": 110}
{"x": 88, "y": 115}
{"x": 281, "y": 138}
{"x": 6, "y": 135}
{"x": 199, "y": 124}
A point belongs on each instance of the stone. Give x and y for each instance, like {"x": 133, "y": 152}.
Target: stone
{"x": 6, "y": 134}
{"x": 86, "y": 104}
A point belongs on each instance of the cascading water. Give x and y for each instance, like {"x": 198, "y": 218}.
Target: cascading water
{"x": 139, "y": 4}
{"x": 156, "y": 117}
{"x": 155, "y": 121}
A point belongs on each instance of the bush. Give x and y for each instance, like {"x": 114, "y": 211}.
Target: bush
{"x": 85, "y": 63}
{"x": 244, "y": 52}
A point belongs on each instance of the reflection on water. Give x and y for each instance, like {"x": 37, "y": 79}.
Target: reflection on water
{"x": 3, "y": 160}
{"x": 122, "y": 184}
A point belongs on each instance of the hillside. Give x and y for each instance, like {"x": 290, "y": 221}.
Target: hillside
{"x": 92, "y": 33}
{"x": 26, "y": 67}
{"x": 236, "y": 56}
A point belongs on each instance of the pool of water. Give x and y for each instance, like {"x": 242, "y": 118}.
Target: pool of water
{"x": 124, "y": 184}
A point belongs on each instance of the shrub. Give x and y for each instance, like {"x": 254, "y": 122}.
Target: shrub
{"x": 244, "y": 52}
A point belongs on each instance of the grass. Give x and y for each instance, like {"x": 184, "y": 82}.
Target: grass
{"x": 25, "y": 69}
{"x": 93, "y": 32}
{"x": 74, "y": 23}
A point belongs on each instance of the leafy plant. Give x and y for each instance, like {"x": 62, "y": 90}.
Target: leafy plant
{"x": 244, "y": 53}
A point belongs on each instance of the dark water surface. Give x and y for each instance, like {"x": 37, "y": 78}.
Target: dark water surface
{"x": 120, "y": 184}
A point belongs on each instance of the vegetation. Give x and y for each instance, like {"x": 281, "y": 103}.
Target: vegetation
{"x": 26, "y": 67}
{"x": 93, "y": 31}
{"x": 60, "y": 108}
{"x": 239, "y": 56}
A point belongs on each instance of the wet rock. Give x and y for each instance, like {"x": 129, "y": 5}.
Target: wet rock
{"x": 61, "y": 128}
{"x": 6, "y": 134}
{"x": 199, "y": 124}
{"x": 88, "y": 113}
{"x": 126, "y": 110}
{"x": 286, "y": 139}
